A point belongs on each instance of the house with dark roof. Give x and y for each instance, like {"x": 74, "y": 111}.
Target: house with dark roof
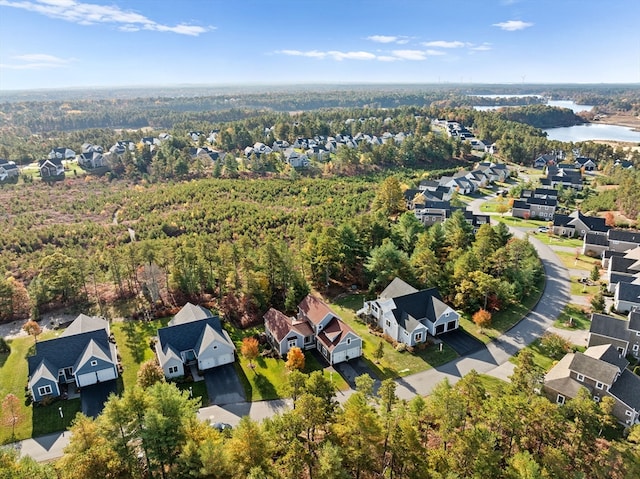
{"x": 588, "y": 164}
{"x": 51, "y": 169}
{"x": 408, "y": 315}
{"x": 622, "y": 270}
{"x": 620, "y": 333}
{"x": 626, "y": 297}
{"x": 83, "y": 355}
{"x": 578, "y": 225}
{"x": 602, "y": 371}
{"x": 620, "y": 240}
{"x": 193, "y": 338}
{"x": 8, "y": 171}
{"x": 61, "y": 154}
{"x": 545, "y": 160}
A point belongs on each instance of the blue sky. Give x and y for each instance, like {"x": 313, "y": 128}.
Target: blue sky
{"x": 84, "y": 43}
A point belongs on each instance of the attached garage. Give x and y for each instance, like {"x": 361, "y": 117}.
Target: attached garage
{"x": 338, "y": 357}
{"x": 226, "y": 359}
{"x": 106, "y": 374}
{"x": 206, "y": 363}
{"x": 86, "y": 379}
{"x": 353, "y": 353}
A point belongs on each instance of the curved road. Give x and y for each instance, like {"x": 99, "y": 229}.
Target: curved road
{"x": 493, "y": 360}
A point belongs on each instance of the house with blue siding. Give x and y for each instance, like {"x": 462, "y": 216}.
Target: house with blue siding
{"x": 84, "y": 354}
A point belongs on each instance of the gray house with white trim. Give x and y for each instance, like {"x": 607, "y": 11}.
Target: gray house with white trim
{"x": 194, "y": 337}
{"x": 83, "y": 355}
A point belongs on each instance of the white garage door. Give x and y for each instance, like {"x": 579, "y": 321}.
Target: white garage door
{"x": 207, "y": 363}
{"x": 353, "y": 353}
{"x": 225, "y": 359}
{"x": 339, "y": 357}
{"x": 106, "y": 374}
{"x": 86, "y": 379}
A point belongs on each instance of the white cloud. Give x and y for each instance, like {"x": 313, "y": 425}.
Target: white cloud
{"x": 482, "y": 48}
{"x": 444, "y": 44}
{"x": 36, "y": 61}
{"x": 334, "y": 54}
{"x": 513, "y": 25}
{"x": 386, "y": 56}
{"x": 90, "y": 14}
{"x": 400, "y": 40}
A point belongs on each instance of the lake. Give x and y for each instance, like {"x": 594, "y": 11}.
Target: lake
{"x": 593, "y": 131}
{"x": 559, "y": 103}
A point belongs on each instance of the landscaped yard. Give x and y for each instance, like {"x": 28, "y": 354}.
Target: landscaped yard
{"x": 394, "y": 363}
{"x": 133, "y": 341}
{"x": 583, "y": 262}
{"x": 37, "y": 420}
{"x": 502, "y": 320}
{"x": 520, "y": 222}
{"x": 581, "y": 289}
{"x": 554, "y": 240}
{"x": 573, "y": 317}
{"x": 540, "y": 357}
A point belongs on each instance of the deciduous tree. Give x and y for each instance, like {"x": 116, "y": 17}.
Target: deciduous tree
{"x": 249, "y": 349}
{"x": 295, "y": 359}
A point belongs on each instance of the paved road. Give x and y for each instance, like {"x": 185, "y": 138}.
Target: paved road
{"x": 493, "y": 360}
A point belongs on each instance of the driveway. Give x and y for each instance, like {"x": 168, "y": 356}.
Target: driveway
{"x": 461, "y": 342}
{"x": 353, "y": 368}
{"x": 223, "y": 385}
{"x": 92, "y": 398}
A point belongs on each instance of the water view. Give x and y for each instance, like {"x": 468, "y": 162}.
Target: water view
{"x": 559, "y": 103}
{"x": 593, "y": 131}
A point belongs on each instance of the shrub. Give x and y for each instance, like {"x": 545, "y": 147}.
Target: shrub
{"x": 4, "y": 346}
{"x": 554, "y": 346}
{"x": 401, "y": 347}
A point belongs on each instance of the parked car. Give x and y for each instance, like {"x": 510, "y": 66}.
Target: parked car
{"x": 222, "y": 426}
{"x": 543, "y": 229}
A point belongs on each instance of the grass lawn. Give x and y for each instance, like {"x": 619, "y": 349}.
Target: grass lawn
{"x": 37, "y": 420}
{"x": 581, "y": 289}
{"x": 267, "y": 378}
{"x": 582, "y": 262}
{"x": 393, "y": 364}
{"x": 579, "y": 318}
{"x": 554, "y": 240}
{"x": 491, "y": 206}
{"x": 132, "y": 338}
{"x": 502, "y": 320}
{"x": 521, "y": 223}
{"x": 198, "y": 390}
{"x": 540, "y": 357}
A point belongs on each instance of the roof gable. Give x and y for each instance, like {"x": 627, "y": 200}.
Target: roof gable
{"x": 190, "y": 312}
{"x": 315, "y": 310}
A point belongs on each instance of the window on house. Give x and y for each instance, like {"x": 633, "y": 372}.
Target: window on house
{"x": 292, "y": 343}
{"x": 599, "y": 385}
{"x": 621, "y": 351}
{"x": 628, "y": 413}
{"x": 580, "y": 377}
{"x": 388, "y": 323}
{"x": 348, "y": 340}
{"x": 418, "y": 337}
{"x": 635, "y": 347}
{"x": 596, "y": 398}
{"x": 94, "y": 363}
{"x": 173, "y": 369}
{"x": 44, "y": 390}
{"x": 560, "y": 399}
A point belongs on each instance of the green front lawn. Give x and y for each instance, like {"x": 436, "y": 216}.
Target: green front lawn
{"x": 133, "y": 340}
{"x": 505, "y": 319}
{"x": 393, "y": 363}
{"x": 554, "y": 240}
{"x": 35, "y": 420}
{"x": 266, "y": 378}
{"x": 540, "y": 357}
{"x": 583, "y": 262}
{"x": 522, "y": 223}
{"x": 573, "y": 315}
{"x": 581, "y": 289}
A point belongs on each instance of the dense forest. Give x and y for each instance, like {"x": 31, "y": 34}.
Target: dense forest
{"x": 458, "y": 431}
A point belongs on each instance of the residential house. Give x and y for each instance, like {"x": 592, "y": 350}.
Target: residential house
{"x": 408, "y": 315}
{"x": 8, "y": 171}
{"x": 534, "y": 208}
{"x": 51, "y": 169}
{"x": 61, "y": 154}
{"x": 587, "y": 164}
{"x": 295, "y": 159}
{"x": 578, "y": 225}
{"x": 335, "y": 340}
{"x": 432, "y": 212}
{"x": 615, "y": 240}
{"x": 194, "y": 337}
{"x": 92, "y": 158}
{"x": 121, "y": 147}
{"x": 624, "y": 164}
{"x": 605, "y": 329}
{"x": 285, "y": 333}
{"x": 622, "y": 269}
{"x": 84, "y": 354}
{"x": 626, "y": 297}
{"x": 603, "y": 372}
{"x": 495, "y": 171}
{"x": 545, "y": 160}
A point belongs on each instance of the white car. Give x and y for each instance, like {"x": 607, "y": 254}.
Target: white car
{"x": 543, "y": 229}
